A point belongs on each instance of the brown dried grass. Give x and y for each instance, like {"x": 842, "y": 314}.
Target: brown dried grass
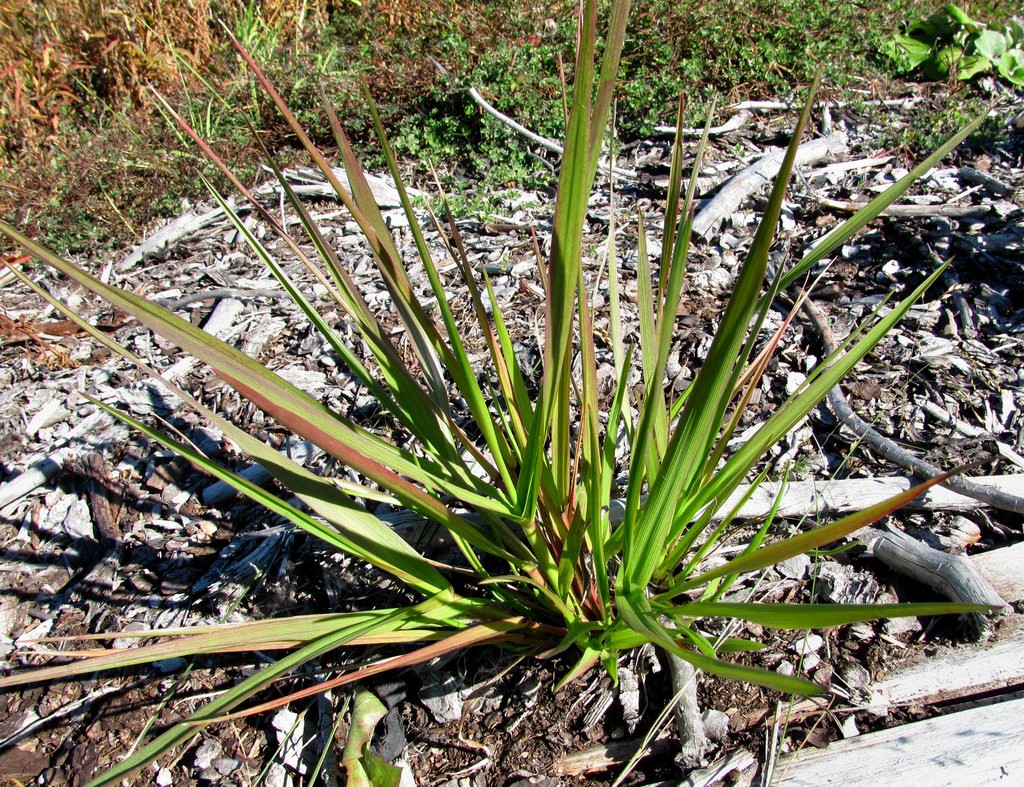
{"x": 54, "y": 54}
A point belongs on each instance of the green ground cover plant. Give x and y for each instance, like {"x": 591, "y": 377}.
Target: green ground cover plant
{"x": 86, "y": 159}
{"x": 950, "y": 44}
{"x": 521, "y": 482}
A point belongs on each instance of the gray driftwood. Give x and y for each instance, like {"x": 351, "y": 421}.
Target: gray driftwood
{"x": 693, "y": 739}
{"x": 954, "y": 576}
{"x": 729, "y": 198}
{"x": 914, "y": 211}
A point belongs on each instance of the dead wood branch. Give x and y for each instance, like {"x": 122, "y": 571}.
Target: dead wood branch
{"x": 693, "y": 739}
{"x": 954, "y": 576}
{"x": 735, "y": 123}
{"x": 913, "y": 211}
{"x": 519, "y": 128}
{"x": 776, "y": 106}
{"x": 888, "y": 449}
{"x": 740, "y": 186}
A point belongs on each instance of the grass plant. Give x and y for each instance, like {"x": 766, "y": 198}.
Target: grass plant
{"x": 523, "y": 485}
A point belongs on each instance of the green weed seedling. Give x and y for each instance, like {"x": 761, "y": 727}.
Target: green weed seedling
{"x": 530, "y": 490}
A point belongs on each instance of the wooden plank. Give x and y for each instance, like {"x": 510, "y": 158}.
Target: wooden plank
{"x": 962, "y": 670}
{"x": 979, "y": 746}
{"x": 1004, "y": 569}
{"x": 957, "y": 672}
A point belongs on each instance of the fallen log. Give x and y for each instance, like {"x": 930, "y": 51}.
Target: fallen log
{"x": 730, "y": 196}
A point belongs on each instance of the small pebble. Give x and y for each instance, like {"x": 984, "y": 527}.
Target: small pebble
{"x": 794, "y": 567}
{"x": 811, "y": 643}
{"x": 716, "y": 724}
{"x": 810, "y": 662}
{"x": 170, "y": 665}
{"x": 206, "y": 753}
{"x": 225, "y": 766}
{"x": 793, "y": 382}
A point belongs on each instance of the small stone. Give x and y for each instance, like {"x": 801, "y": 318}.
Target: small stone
{"x": 712, "y": 281}
{"x": 823, "y": 675}
{"x": 964, "y": 530}
{"x": 77, "y": 522}
{"x": 785, "y": 668}
{"x": 716, "y": 724}
{"x": 277, "y": 776}
{"x": 225, "y": 766}
{"x": 896, "y": 627}
{"x": 811, "y": 643}
{"x": 856, "y": 678}
{"x": 793, "y": 382}
{"x": 536, "y": 781}
{"x": 862, "y": 631}
{"x": 849, "y": 727}
{"x": 170, "y": 665}
{"x": 206, "y": 753}
{"x": 795, "y": 567}
{"x": 810, "y": 661}
{"x": 865, "y": 390}
{"x": 443, "y": 697}
{"x": 164, "y": 778}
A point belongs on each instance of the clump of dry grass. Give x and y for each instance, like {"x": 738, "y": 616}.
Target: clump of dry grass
{"x": 54, "y": 55}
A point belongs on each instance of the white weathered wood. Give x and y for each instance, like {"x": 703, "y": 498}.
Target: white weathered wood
{"x": 835, "y": 498}
{"x": 734, "y": 123}
{"x": 913, "y": 211}
{"x": 956, "y": 672}
{"x": 952, "y": 575}
{"x": 716, "y": 772}
{"x": 982, "y": 745}
{"x": 303, "y": 452}
{"x": 967, "y": 670}
{"x": 770, "y": 106}
{"x": 167, "y": 236}
{"x": 1004, "y": 569}
{"x": 42, "y": 468}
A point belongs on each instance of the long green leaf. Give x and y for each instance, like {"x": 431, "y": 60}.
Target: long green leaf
{"x": 700, "y": 420}
{"x": 805, "y": 616}
{"x": 637, "y": 614}
{"x": 838, "y": 236}
{"x": 797, "y": 407}
{"x": 305, "y": 416}
{"x": 356, "y": 531}
{"x": 182, "y": 733}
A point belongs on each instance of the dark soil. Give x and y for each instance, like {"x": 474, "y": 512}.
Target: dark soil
{"x": 148, "y": 551}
